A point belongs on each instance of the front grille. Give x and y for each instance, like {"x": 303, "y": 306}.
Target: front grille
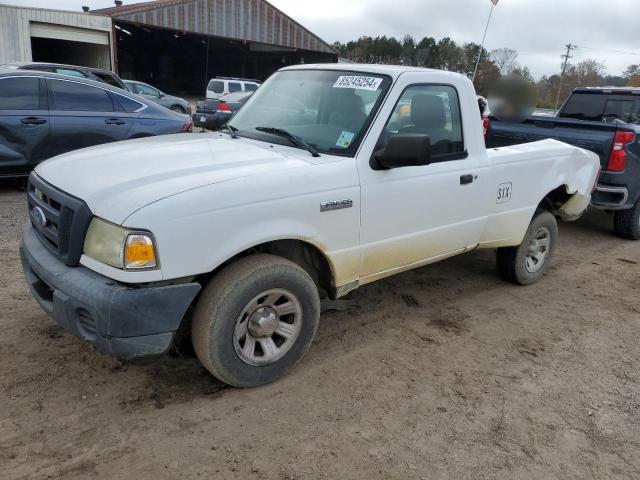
{"x": 60, "y": 219}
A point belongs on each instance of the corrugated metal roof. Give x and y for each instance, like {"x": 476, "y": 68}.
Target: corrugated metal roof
{"x": 250, "y": 20}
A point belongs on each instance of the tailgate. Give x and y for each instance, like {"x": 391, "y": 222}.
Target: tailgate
{"x": 594, "y": 136}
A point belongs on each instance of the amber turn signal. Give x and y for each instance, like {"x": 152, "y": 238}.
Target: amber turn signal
{"x": 139, "y": 252}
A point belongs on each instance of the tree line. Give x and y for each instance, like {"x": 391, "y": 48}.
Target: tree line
{"x": 446, "y": 54}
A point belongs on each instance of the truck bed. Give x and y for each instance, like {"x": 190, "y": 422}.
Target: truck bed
{"x": 615, "y": 190}
{"x": 596, "y": 137}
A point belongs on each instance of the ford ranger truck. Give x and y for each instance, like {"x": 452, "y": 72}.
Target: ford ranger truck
{"x": 606, "y": 121}
{"x": 329, "y": 178}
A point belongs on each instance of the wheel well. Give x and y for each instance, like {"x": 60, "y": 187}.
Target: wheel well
{"x": 302, "y": 253}
{"x": 555, "y": 199}
{"x": 177, "y": 105}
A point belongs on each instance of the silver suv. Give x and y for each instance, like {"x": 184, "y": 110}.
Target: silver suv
{"x": 220, "y": 86}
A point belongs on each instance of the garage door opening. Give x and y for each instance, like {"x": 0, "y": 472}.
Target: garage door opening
{"x": 71, "y": 45}
{"x": 70, "y": 53}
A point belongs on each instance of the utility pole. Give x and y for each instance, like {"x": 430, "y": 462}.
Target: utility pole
{"x": 566, "y": 57}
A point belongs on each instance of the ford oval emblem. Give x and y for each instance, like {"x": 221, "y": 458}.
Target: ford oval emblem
{"x": 38, "y": 217}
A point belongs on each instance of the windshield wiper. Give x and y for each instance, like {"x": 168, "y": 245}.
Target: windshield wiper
{"x": 293, "y": 138}
{"x": 233, "y": 131}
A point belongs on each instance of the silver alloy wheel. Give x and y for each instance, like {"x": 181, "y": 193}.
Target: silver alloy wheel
{"x": 268, "y": 327}
{"x": 538, "y": 250}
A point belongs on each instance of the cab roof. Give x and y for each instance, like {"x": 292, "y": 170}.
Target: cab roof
{"x": 393, "y": 71}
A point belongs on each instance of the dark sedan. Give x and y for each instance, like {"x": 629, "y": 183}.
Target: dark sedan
{"x": 212, "y": 114}
{"x": 43, "y": 115}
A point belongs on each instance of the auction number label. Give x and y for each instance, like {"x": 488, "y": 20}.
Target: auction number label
{"x": 358, "y": 82}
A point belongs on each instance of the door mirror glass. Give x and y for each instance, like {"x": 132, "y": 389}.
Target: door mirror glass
{"x": 403, "y": 150}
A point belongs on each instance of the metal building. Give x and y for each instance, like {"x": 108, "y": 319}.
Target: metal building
{"x": 179, "y": 44}
{"x": 37, "y": 34}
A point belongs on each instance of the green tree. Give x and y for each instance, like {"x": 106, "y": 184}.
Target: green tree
{"x": 425, "y": 52}
{"x": 447, "y": 55}
{"x": 408, "y": 52}
{"x": 469, "y": 57}
{"x": 615, "y": 81}
{"x": 523, "y": 72}
{"x": 632, "y": 71}
{"x": 488, "y": 74}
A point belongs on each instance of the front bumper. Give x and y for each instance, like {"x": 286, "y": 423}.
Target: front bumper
{"x": 123, "y": 320}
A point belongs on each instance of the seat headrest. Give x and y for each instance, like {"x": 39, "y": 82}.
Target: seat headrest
{"x": 428, "y": 112}
{"x": 350, "y": 103}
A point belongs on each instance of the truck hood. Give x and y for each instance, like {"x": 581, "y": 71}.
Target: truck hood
{"x": 119, "y": 178}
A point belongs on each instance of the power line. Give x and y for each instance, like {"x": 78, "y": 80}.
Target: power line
{"x": 621, "y": 52}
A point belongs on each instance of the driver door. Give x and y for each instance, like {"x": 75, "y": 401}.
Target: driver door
{"x": 415, "y": 214}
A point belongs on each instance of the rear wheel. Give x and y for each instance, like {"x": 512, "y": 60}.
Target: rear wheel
{"x": 527, "y": 263}
{"x": 626, "y": 223}
{"x": 179, "y": 109}
{"x": 255, "y": 320}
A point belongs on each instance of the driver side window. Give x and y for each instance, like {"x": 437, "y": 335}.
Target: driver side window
{"x": 146, "y": 90}
{"x": 428, "y": 109}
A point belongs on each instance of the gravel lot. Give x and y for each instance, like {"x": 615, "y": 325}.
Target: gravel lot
{"x": 444, "y": 372}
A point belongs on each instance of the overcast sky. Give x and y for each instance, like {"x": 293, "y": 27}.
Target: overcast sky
{"x": 537, "y": 29}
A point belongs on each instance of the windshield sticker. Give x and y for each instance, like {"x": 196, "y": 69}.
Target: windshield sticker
{"x": 359, "y": 83}
{"x": 345, "y": 139}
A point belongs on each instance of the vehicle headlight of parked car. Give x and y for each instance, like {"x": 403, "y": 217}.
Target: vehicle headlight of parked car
{"x": 120, "y": 247}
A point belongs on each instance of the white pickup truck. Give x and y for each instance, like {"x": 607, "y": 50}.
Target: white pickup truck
{"x": 330, "y": 177}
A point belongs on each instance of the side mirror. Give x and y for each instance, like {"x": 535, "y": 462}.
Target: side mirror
{"x": 162, "y": 95}
{"x": 403, "y": 150}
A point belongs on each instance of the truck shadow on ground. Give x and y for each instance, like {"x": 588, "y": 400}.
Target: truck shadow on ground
{"x": 426, "y": 293}
{"x": 13, "y": 184}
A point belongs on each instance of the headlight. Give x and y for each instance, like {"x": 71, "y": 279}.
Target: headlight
{"x": 119, "y": 247}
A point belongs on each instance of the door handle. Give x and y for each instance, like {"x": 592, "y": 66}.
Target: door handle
{"x": 114, "y": 121}
{"x": 33, "y": 121}
{"x": 466, "y": 179}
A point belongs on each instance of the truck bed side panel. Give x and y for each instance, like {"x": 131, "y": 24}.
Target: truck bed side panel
{"x": 522, "y": 176}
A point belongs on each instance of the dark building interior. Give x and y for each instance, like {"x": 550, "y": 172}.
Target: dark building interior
{"x": 183, "y": 63}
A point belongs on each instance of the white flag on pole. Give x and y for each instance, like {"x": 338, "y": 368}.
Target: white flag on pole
{"x": 495, "y": 2}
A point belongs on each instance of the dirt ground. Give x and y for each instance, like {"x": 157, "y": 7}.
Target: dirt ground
{"x": 445, "y": 372}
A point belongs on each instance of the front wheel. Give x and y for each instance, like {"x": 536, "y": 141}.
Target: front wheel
{"x": 255, "y": 320}
{"x": 626, "y": 223}
{"x": 528, "y": 262}
{"x": 178, "y": 109}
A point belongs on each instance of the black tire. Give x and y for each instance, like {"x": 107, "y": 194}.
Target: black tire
{"x": 512, "y": 261}
{"x": 626, "y": 223}
{"x": 178, "y": 109}
{"x": 226, "y": 297}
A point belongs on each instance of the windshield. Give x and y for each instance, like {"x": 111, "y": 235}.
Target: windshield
{"x": 328, "y": 109}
